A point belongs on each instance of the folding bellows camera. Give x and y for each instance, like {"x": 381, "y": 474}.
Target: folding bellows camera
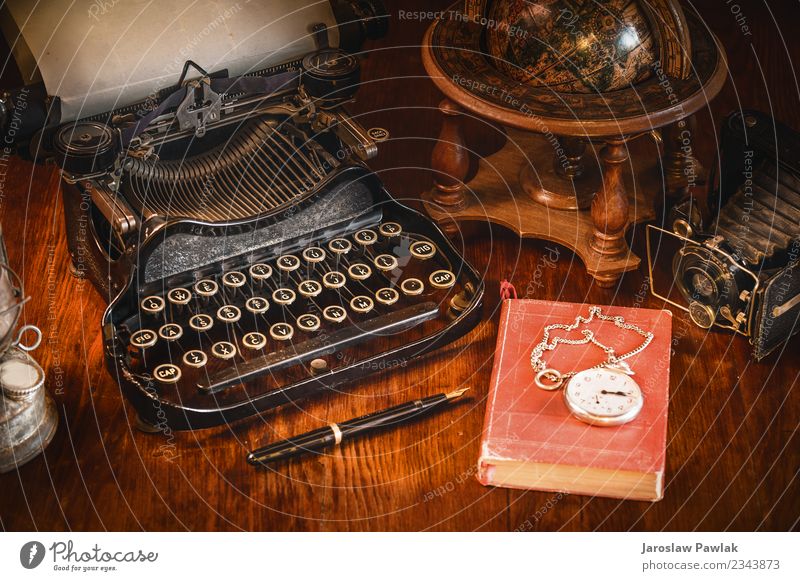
{"x": 741, "y": 271}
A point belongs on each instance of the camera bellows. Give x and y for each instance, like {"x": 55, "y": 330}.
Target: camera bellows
{"x": 772, "y": 210}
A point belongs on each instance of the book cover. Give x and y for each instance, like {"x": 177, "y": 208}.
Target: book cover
{"x": 530, "y": 440}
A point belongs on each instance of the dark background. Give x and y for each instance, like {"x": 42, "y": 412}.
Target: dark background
{"x": 733, "y": 445}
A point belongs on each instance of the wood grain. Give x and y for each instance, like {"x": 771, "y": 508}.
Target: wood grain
{"x": 734, "y": 450}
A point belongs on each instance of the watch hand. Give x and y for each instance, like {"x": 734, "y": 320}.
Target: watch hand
{"x": 623, "y": 394}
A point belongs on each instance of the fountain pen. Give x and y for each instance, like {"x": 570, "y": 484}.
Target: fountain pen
{"x": 335, "y": 434}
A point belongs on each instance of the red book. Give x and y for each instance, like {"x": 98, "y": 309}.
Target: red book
{"x": 531, "y": 441}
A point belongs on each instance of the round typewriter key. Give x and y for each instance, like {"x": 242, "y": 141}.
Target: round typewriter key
{"x": 314, "y": 254}
{"x": 359, "y": 271}
{"x": 423, "y": 250}
{"x": 260, "y": 271}
{"x": 288, "y": 263}
{"x": 233, "y": 279}
{"x": 308, "y": 322}
{"x": 385, "y": 262}
{"x": 223, "y": 350}
{"x": 144, "y": 339}
{"x": 365, "y": 237}
{"x": 195, "y": 358}
{"x": 361, "y": 304}
{"x": 387, "y": 296}
{"x": 334, "y": 314}
{"x": 152, "y": 305}
{"x": 206, "y": 287}
{"x": 412, "y": 287}
{"x": 334, "y": 280}
{"x": 167, "y": 373}
{"x": 229, "y": 314}
{"x": 442, "y": 279}
{"x": 179, "y": 296}
{"x": 170, "y": 332}
{"x": 309, "y": 288}
{"x": 340, "y": 245}
{"x": 201, "y": 322}
{"x": 390, "y": 229}
{"x": 256, "y": 305}
{"x": 283, "y": 296}
{"x": 281, "y": 331}
{"x": 254, "y": 341}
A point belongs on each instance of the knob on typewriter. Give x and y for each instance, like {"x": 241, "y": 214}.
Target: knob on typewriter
{"x": 86, "y": 147}
{"x": 331, "y": 74}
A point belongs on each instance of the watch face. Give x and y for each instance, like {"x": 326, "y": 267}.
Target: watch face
{"x": 603, "y": 397}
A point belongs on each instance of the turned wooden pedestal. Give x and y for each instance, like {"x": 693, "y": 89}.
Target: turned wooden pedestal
{"x": 504, "y": 191}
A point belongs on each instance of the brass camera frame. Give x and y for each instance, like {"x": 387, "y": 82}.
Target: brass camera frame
{"x": 717, "y": 250}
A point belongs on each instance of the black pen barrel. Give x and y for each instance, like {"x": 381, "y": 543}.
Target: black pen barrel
{"x": 393, "y": 416}
{"x": 294, "y": 446}
{"x": 335, "y": 433}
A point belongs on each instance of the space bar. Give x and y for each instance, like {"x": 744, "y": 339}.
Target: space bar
{"x": 325, "y": 344}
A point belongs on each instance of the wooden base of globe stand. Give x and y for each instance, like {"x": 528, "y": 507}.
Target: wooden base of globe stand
{"x": 519, "y": 187}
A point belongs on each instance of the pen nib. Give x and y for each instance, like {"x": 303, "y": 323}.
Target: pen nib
{"x": 457, "y": 393}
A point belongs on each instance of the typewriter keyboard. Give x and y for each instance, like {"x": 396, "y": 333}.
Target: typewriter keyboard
{"x": 295, "y": 314}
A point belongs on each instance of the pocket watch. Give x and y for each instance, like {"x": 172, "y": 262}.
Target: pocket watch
{"x": 603, "y": 395}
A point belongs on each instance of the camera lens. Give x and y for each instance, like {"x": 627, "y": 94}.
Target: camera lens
{"x": 703, "y": 281}
{"x": 704, "y": 286}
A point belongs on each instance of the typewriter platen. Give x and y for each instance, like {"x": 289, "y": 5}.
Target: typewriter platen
{"x": 249, "y": 256}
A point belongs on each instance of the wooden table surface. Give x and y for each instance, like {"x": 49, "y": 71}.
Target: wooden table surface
{"x": 734, "y": 450}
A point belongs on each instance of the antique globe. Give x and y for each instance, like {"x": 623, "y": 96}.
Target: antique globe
{"x": 572, "y": 83}
{"x": 582, "y": 46}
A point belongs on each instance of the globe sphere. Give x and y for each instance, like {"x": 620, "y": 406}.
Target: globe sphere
{"x": 571, "y": 46}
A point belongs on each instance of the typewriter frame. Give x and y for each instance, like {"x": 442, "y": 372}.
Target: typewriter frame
{"x": 119, "y": 279}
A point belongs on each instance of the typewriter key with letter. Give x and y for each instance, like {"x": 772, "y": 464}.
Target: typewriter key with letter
{"x": 201, "y": 322}
{"x": 334, "y": 280}
{"x": 442, "y": 279}
{"x": 283, "y": 296}
{"x": 390, "y": 229}
{"x": 314, "y": 254}
{"x": 167, "y": 373}
{"x": 229, "y": 314}
{"x": 257, "y": 305}
{"x": 288, "y": 263}
{"x": 340, "y": 246}
{"x": 195, "y": 358}
{"x": 359, "y": 271}
{"x": 254, "y": 340}
{"x": 223, "y": 350}
{"x": 365, "y": 237}
{"x": 153, "y": 305}
{"x": 143, "y": 339}
{"x": 385, "y": 262}
{"x": 423, "y": 250}
{"x": 260, "y": 272}
{"x": 206, "y": 288}
{"x": 281, "y": 331}
{"x": 334, "y": 314}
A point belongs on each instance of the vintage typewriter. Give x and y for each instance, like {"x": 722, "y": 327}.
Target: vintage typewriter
{"x": 249, "y": 256}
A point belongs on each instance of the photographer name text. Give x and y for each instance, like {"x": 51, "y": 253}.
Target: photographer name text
{"x": 696, "y": 548}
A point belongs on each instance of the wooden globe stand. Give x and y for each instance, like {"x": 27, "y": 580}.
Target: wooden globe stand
{"x": 605, "y": 180}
